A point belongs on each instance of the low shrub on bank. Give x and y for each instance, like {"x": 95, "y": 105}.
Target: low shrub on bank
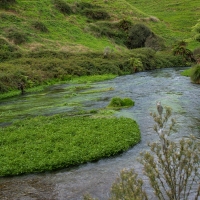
{"x": 48, "y": 143}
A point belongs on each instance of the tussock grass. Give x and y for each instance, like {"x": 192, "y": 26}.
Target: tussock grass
{"x": 195, "y": 74}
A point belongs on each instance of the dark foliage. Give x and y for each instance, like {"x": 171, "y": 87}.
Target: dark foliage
{"x": 40, "y": 26}
{"x": 125, "y": 25}
{"x": 96, "y": 14}
{"x": 137, "y": 36}
{"x": 63, "y": 7}
{"x": 6, "y": 2}
{"x": 16, "y": 36}
{"x": 180, "y": 49}
{"x": 83, "y": 5}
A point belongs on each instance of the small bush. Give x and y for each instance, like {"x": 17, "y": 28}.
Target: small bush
{"x": 195, "y": 74}
{"x": 63, "y": 7}
{"x": 137, "y": 36}
{"x": 17, "y": 36}
{"x": 118, "y": 102}
{"x": 40, "y": 26}
{"x": 96, "y": 14}
{"x": 125, "y": 25}
{"x": 80, "y": 6}
{"x": 6, "y": 55}
{"x": 136, "y": 64}
{"x": 5, "y": 3}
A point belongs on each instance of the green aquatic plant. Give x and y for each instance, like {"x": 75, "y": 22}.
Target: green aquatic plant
{"x": 47, "y": 143}
{"x": 97, "y": 91}
{"x": 119, "y": 102}
{"x": 92, "y": 78}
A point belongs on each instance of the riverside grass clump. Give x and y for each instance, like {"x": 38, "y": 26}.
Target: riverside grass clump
{"x": 195, "y": 74}
{"x": 171, "y": 167}
{"x": 47, "y": 143}
{"x": 118, "y": 102}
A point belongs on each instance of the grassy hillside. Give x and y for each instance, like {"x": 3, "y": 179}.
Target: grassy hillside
{"x": 177, "y": 18}
{"x": 52, "y": 39}
{"x": 44, "y": 26}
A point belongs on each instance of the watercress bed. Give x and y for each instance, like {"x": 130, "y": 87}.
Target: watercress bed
{"x": 48, "y": 143}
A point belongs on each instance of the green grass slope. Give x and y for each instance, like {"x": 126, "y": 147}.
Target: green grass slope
{"x": 41, "y": 25}
{"x": 177, "y": 18}
{"x": 52, "y": 39}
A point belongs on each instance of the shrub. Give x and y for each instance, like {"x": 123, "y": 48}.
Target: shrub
{"x": 118, "y": 102}
{"x": 125, "y": 25}
{"x": 181, "y": 50}
{"x": 137, "y": 36}
{"x": 96, "y": 14}
{"x": 137, "y": 65}
{"x": 63, "y": 7}
{"x": 5, "y": 3}
{"x": 40, "y": 26}
{"x": 195, "y": 74}
{"x": 80, "y": 6}
{"x": 17, "y": 36}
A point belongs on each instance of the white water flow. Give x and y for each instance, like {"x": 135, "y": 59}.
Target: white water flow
{"x": 145, "y": 88}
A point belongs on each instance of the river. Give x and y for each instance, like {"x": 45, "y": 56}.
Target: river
{"x": 145, "y": 88}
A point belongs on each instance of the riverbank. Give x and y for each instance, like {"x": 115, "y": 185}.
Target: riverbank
{"x": 46, "y": 67}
